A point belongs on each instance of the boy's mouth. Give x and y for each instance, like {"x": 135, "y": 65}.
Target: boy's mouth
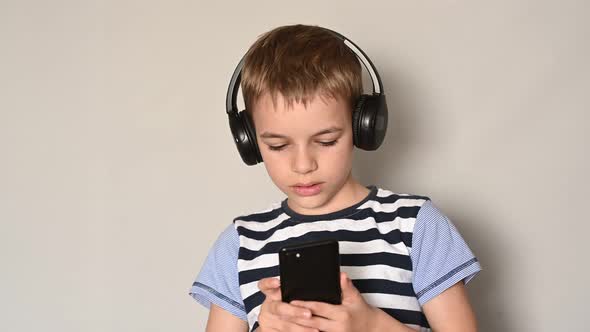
{"x": 307, "y": 189}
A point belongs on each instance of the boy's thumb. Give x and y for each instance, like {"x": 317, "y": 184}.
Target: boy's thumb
{"x": 346, "y": 285}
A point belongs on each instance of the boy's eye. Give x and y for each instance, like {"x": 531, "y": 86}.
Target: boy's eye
{"x": 330, "y": 143}
{"x": 282, "y": 146}
{"x": 276, "y": 147}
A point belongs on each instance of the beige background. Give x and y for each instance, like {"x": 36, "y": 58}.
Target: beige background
{"x": 118, "y": 172}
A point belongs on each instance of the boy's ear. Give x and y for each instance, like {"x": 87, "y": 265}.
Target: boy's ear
{"x": 369, "y": 121}
{"x": 242, "y": 129}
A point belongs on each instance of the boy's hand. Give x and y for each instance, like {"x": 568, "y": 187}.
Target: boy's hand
{"x": 276, "y": 315}
{"x": 354, "y": 314}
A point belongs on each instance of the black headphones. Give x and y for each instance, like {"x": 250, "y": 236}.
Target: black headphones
{"x": 369, "y": 121}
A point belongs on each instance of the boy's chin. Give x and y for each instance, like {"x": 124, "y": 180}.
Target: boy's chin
{"x": 308, "y": 204}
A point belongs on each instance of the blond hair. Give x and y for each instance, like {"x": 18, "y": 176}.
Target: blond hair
{"x": 300, "y": 62}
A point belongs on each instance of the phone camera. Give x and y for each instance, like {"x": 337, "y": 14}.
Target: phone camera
{"x": 297, "y": 255}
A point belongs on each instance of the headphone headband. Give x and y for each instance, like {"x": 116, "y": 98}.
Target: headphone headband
{"x": 231, "y": 105}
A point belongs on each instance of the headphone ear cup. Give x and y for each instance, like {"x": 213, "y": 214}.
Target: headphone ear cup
{"x": 356, "y": 115}
{"x": 249, "y": 125}
{"x": 243, "y": 137}
{"x": 370, "y": 122}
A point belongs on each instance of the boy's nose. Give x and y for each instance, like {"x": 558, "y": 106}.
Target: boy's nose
{"x": 304, "y": 162}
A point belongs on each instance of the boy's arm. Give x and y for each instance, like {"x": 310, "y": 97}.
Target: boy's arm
{"x": 222, "y": 321}
{"x": 443, "y": 263}
{"x": 448, "y": 311}
{"x": 451, "y": 311}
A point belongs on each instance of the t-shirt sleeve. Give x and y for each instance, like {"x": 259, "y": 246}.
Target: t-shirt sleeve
{"x": 217, "y": 282}
{"x": 440, "y": 256}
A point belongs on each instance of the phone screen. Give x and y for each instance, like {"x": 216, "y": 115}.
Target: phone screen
{"x": 310, "y": 272}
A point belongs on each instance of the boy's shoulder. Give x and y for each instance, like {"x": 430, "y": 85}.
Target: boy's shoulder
{"x": 394, "y": 203}
{"x": 392, "y": 195}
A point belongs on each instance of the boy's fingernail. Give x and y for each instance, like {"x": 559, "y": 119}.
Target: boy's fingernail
{"x": 306, "y": 314}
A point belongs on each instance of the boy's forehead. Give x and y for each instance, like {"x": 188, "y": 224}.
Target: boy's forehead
{"x": 320, "y": 111}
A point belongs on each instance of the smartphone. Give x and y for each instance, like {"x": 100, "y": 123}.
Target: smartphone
{"x": 310, "y": 271}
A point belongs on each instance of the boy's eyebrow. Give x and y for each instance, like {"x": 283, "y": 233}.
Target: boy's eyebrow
{"x": 330, "y": 130}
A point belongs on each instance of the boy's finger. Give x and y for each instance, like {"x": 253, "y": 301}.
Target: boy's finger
{"x": 322, "y": 309}
{"x": 316, "y": 322}
{"x": 267, "y": 288}
{"x": 287, "y": 326}
{"x": 268, "y": 283}
{"x": 347, "y": 286}
{"x": 287, "y": 311}
{"x": 273, "y": 294}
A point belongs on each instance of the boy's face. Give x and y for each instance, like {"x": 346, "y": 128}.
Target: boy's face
{"x": 307, "y": 152}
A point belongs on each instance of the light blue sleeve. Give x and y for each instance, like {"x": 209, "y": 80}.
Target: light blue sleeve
{"x": 217, "y": 282}
{"x": 440, "y": 256}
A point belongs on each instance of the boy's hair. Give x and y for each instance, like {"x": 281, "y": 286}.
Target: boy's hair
{"x": 300, "y": 62}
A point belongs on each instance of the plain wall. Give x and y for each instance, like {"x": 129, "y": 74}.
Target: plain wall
{"x": 118, "y": 171}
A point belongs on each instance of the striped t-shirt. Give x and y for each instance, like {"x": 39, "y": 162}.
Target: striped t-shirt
{"x": 398, "y": 250}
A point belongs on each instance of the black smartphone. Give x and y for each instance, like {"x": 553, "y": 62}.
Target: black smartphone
{"x": 310, "y": 271}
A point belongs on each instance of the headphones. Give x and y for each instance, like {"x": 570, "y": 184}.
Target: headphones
{"x": 369, "y": 119}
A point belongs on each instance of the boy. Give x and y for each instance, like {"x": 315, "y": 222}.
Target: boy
{"x": 404, "y": 264}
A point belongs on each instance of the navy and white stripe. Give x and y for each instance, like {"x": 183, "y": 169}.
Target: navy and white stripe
{"x": 374, "y": 238}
